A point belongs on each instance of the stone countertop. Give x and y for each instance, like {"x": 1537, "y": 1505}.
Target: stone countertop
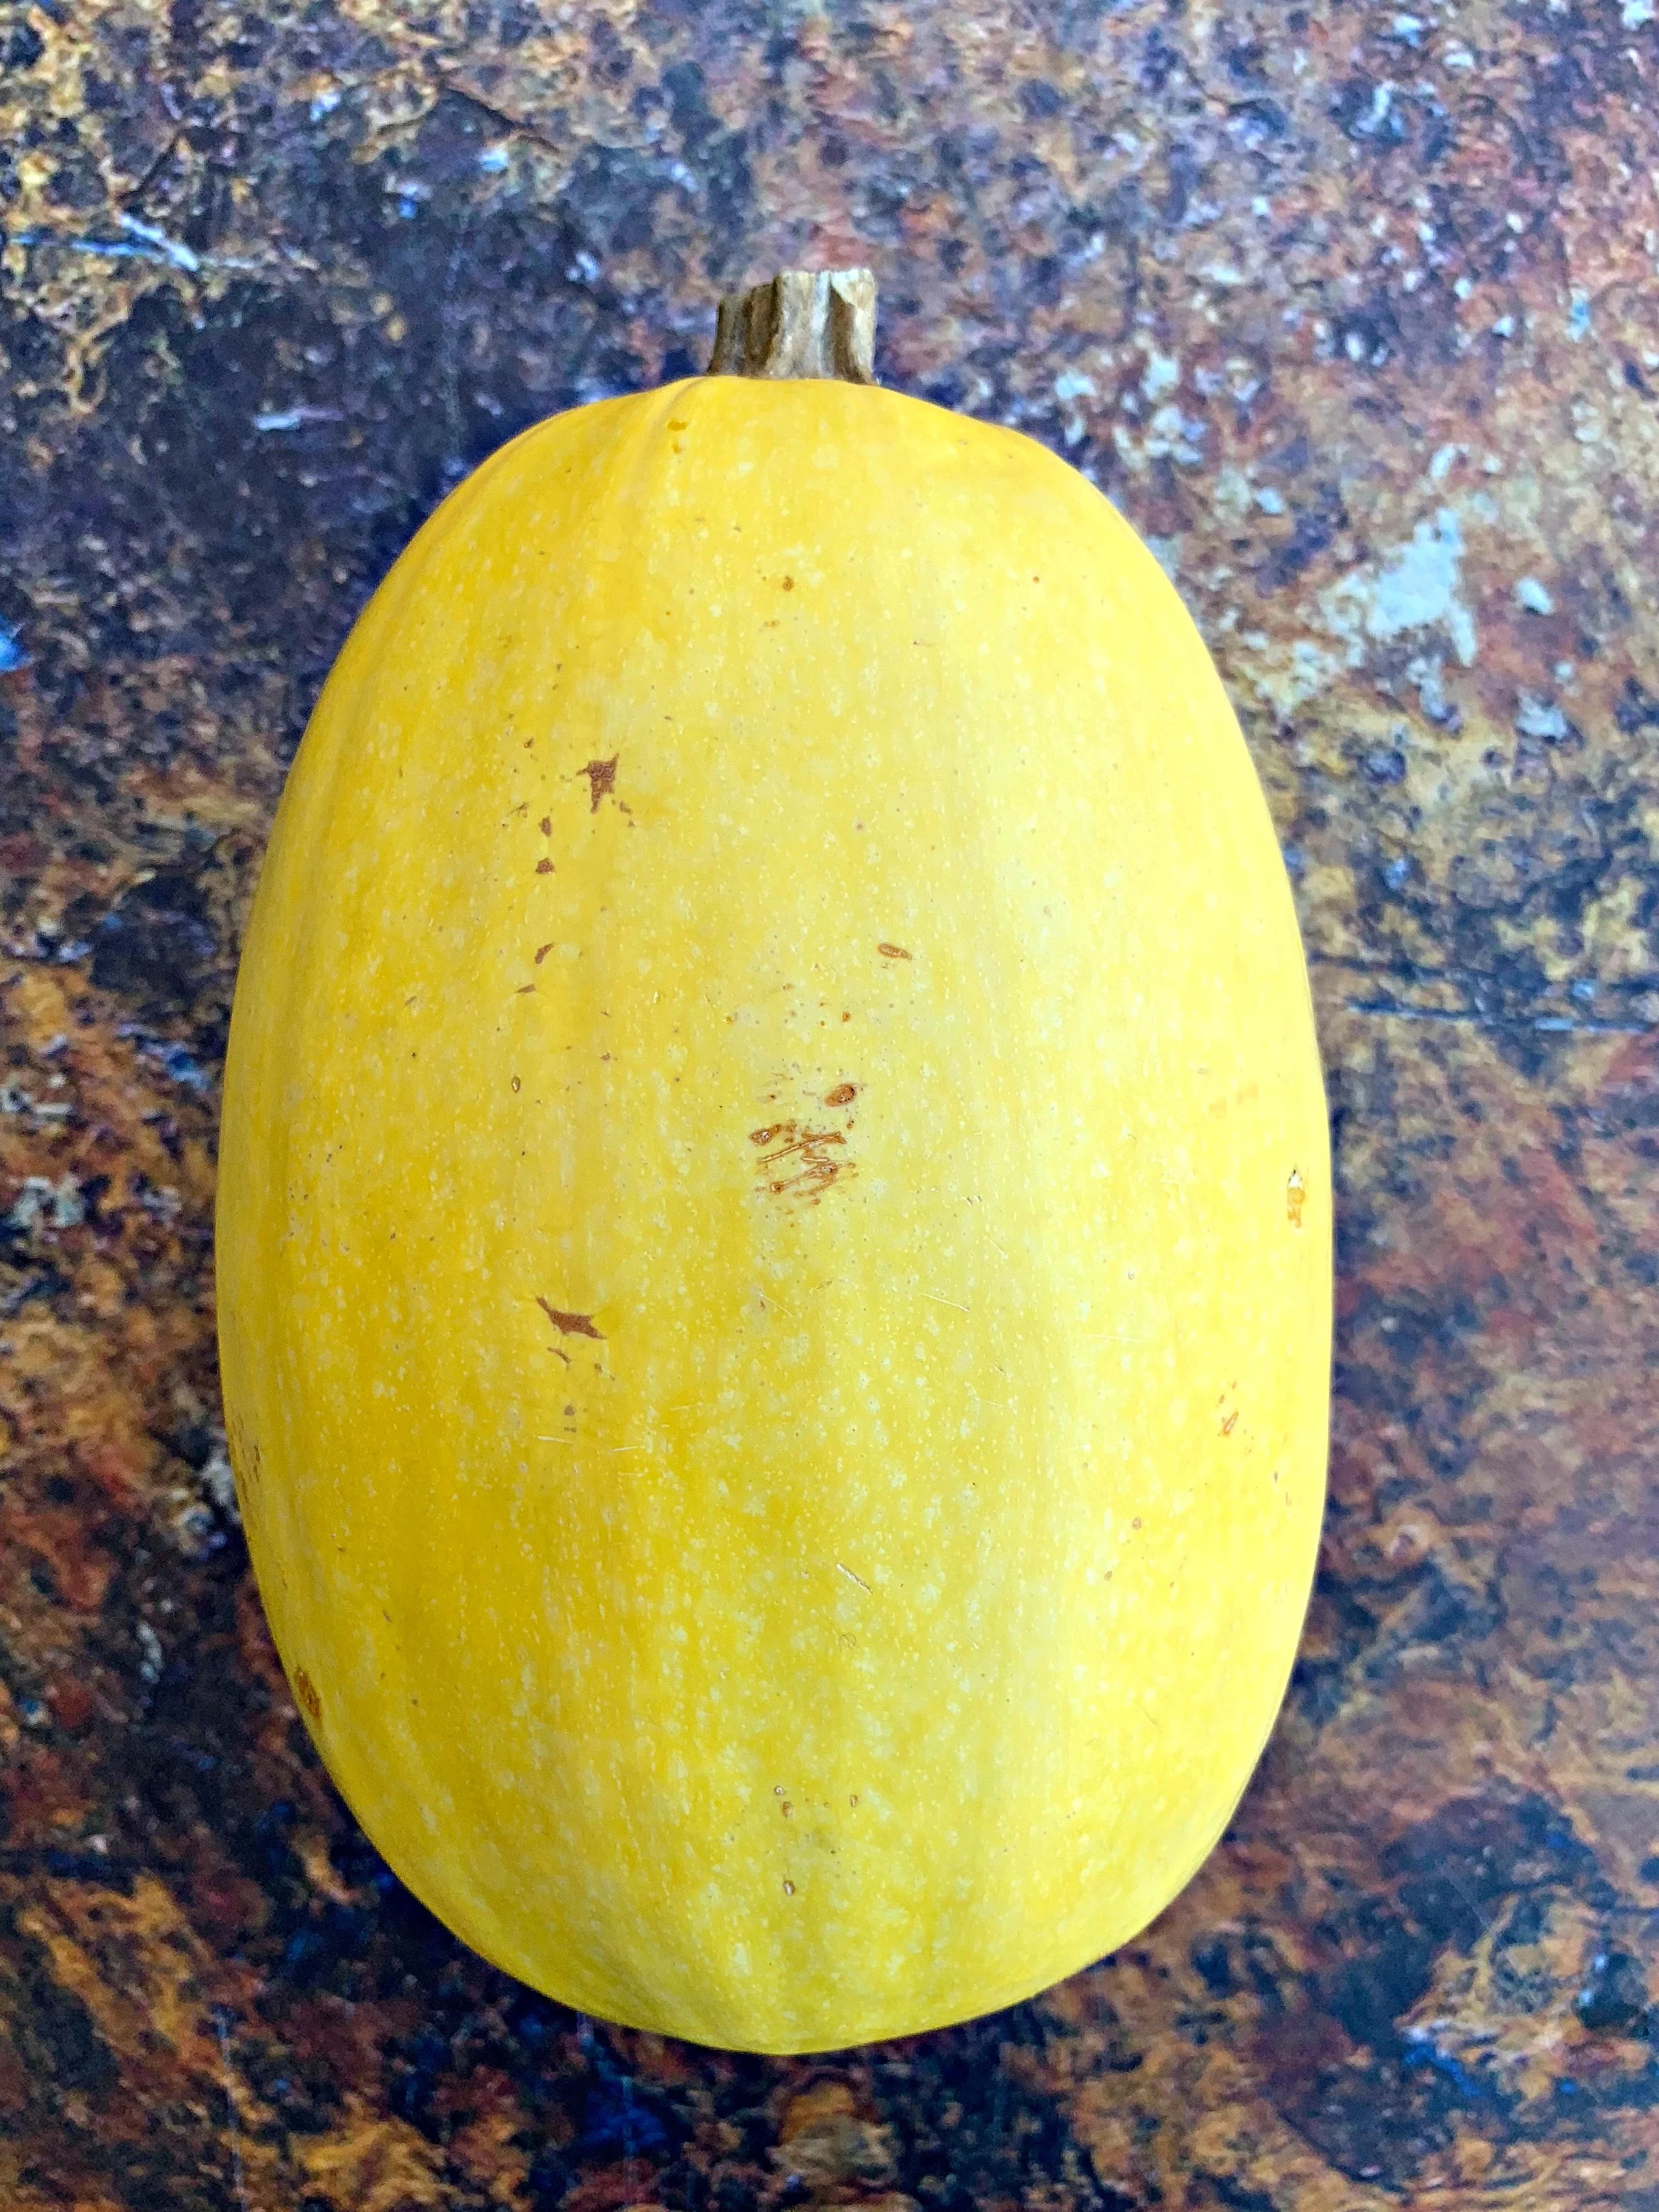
{"x": 1354, "y": 311}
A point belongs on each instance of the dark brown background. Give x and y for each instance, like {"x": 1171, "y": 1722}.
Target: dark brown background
{"x": 1354, "y": 311}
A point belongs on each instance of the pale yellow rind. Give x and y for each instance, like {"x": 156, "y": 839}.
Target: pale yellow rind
{"x": 892, "y": 1624}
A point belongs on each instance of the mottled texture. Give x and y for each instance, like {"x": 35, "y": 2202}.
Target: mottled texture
{"x": 1354, "y": 313}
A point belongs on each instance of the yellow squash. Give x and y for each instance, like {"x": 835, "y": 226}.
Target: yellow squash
{"x": 774, "y": 1232}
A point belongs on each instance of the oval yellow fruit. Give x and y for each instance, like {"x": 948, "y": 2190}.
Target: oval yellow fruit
{"x": 774, "y": 1232}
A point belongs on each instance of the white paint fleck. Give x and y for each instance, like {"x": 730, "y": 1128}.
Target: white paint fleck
{"x": 1634, "y": 13}
{"x": 1540, "y": 718}
{"x": 1161, "y": 375}
{"x": 170, "y": 249}
{"x": 219, "y": 1480}
{"x": 55, "y": 1205}
{"x": 1417, "y": 589}
{"x": 295, "y": 418}
{"x": 1532, "y": 595}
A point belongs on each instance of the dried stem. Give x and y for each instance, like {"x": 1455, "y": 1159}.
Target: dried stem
{"x": 803, "y": 322}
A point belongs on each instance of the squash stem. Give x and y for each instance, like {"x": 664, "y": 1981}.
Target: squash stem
{"x": 802, "y": 322}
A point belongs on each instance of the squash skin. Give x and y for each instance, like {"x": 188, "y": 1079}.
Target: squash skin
{"x": 774, "y": 1231}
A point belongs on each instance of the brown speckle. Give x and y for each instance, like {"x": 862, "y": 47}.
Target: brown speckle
{"x": 569, "y": 1324}
{"x": 541, "y": 952}
{"x": 785, "y": 1808}
{"x": 892, "y": 952}
{"x": 854, "y": 1799}
{"x": 522, "y": 989}
{"x": 546, "y": 825}
{"x": 517, "y": 1085}
{"x": 843, "y": 1094}
{"x": 788, "y": 583}
{"x": 1294, "y": 1197}
{"x": 305, "y": 1691}
{"x": 1135, "y": 1523}
{"x": 789, "y": 1888}
{"x": 1230, "y": 1423}
{"x": 810, "y": 1169}
{"x": 544, "y": 867}
{"x": 601, "y": 780}
{"x": 243, "y": 1451}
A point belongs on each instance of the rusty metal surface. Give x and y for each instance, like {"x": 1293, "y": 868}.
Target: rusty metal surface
{"x": 1354, "y": 310}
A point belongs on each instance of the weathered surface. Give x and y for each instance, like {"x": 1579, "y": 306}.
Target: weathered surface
{"x": 1354, "y": 311}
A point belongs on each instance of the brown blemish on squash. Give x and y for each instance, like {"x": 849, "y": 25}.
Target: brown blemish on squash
{"x": 892, "y": 952}
{"x": 545, "y": 825}
{"x": 1294, "y": 1197}
{"x": 809, "y": 1170}
{"x": 788, "y": 583}
{"x": 842, "y": 1095}
{"x": 601, "y": 780}
{"x": 541, "y": 952}
{"x": 305, "y": 1691}
{"x": 544, "y": 867}
{"x": 570, "y": 1324}
{"x": 1230, "y": 1423}
{"x": 244, "y": 1460}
